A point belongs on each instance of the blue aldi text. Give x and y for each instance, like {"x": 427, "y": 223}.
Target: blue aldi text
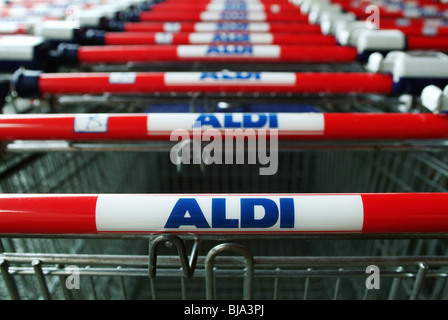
{"x": 232, "y": 26}
{"x": 248, "y": 121}
{"x": 229, "y": 49}
{"x": 234, "y": 15}
{"x": 231, "y": 37}
{"x": 187, "y": 212}
{"x": 231, "y": 75}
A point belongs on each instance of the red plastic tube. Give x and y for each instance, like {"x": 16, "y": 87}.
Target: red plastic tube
{"x": 293, "y": 27}
{"x": 408, "y": 22}
{"x": 273, "y": 7}
{"x": 216, "y": 53}
{"x": 439, "y": 43}
{"x": 136, "y": 38}
{"x": 205, "y": 2}
{"x": 428, "y": 32}
{"x": 159, "y": 126}
{"x": 380, "y": 213}
{"x": 213, "y": 16}
{"x": 384, "y": 12}
{"x": 212, "y": 82}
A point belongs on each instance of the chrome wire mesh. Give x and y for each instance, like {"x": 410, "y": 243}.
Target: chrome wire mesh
{"x": 312, "y": 267}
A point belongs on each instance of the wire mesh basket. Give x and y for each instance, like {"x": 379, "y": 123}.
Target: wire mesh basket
{"x": 222, "y": 266}
{"x": 282, "y": 267}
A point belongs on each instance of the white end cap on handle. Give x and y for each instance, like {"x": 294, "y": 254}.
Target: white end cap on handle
{"x": 19, "y": 47}
{"x": 55, "y": 30}
{"x": 315, "y": 14}
{"x": 435, "y": 99}
{"x": 329, "y": 20}
{"x": 389, "y": 40}
{"x": 409, "y": 64}
{"x": 306, "y": 5}
{"x": 347, "y": 32}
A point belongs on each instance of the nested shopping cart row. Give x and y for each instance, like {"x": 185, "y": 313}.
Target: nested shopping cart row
{"x": 38, "y": 53}
{"x": 356, "y": 42}
{"x": 396, "y": 73}
{"x": 335, "y": 191}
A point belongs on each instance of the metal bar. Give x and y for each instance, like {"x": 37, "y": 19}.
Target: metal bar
{"x": 9, "y": 280}
{"x": 62, "y": 279}
{"x": 337, "y": 286}
{"x": 92, "y": 285}
{"x": 307, "y": 287}
{"x": 37, "y": 266}
{"x": 249, "y": 271}
{"x": 422, "y": 271}
{"x": 267, "y": 261}
{"x": 188, "y": 266}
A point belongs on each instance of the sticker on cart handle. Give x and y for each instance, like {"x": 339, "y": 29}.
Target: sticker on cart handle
{"x": 163, "y": 38}
{"x": 429, "y": 31}
{"x": 91, "y": 123}
{"x": 171, "y": 26}
{"x": 122, "y": 77}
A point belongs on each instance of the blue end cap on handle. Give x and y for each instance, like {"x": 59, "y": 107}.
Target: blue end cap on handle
{"x": 26, "y": 83}
{"x": 93, "y": 37}
{"x": 111, "y": 25}
{"x": 66, "y": 54}
{"x": 4, "y": 91}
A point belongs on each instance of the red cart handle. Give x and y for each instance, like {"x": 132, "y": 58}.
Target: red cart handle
{"x": 139, "y": 38}
{"x": 208, "y": 213}
{"x": 159, "y": 126}
{"x": 35, "y": 84}
{"x": 228, "y": 6}
{"x": 73, "y": 54}
{"x": 195, "y": 16}
{"x": 292, "y": 27}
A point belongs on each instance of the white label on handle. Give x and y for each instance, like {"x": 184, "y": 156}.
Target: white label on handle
{"x": 122, "y": 77}
{"x": 302, "y": 123}
{"x": 232, "y": 15}
{"x": 171, "y": 26}
{"x": 231, "y": 26}
{"x": 230, "y": 213}
{"x": 230, "y": 37}
{"x": 90, "y": 123}
{"x": 231, "y": 78}
{"x": 163, "y": 38}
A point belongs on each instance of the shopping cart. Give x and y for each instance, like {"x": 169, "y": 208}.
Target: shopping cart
{"x": 193, "y": 265}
